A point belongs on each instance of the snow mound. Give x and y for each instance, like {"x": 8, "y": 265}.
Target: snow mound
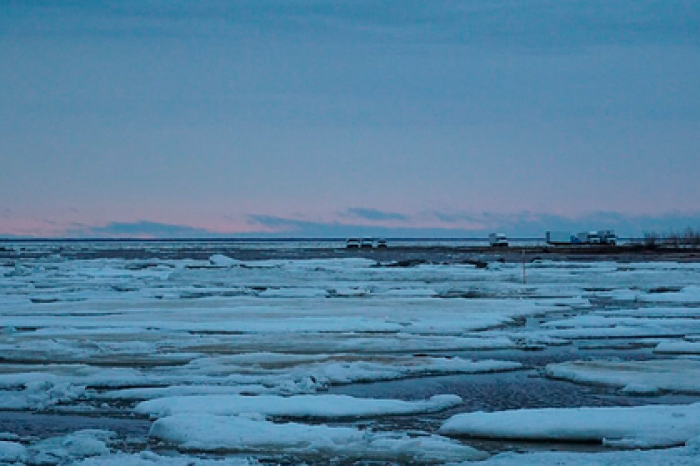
{"x": 69, "y": 448}
{"x": 39, "y": 395}
{"x": 626, "y": 427}
{"x": 11, "y": 452}
{"x": 192, "y": 432}
{"x": 679, "y": 375}
{"x": 640, "y": 389}
{"x": 148, "y": 393}
{"x": 606, "y": 326}
{"x": 300, "y": 406}
{"x": 340, "y": 373}
{"x": 659, "y": 312}
{"x": 219, "y": 260}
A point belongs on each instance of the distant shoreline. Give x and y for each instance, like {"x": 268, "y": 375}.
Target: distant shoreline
{"x": 401, "y": 254}
{"x": 260, "y": 240}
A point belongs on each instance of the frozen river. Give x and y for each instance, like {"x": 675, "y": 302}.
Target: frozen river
{"x": 204, "y": 358}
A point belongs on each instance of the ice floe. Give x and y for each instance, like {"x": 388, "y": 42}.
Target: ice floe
{"x": 70, "y": 448}
{"x": 218, "y": 348}
{"x": 12, "y": 452}
{"x": 300, "y": 406}
{"x": 147, "y": 393}
{"x": 682, "y": 456}
{"x": 39, "y": 395}
{"x": 248, "y": 435}
{"x": 224, "y": 261}
{"x": 678, "y": 375}
{"x": 604, "y": 326}
{"x": 678, "y": 347}
{"x": 628, "y": 427}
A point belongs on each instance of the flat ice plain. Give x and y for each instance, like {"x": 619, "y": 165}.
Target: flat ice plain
{"x": 351, "y": 359}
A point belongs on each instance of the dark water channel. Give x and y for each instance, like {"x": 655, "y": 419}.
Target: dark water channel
{"x": 521, "y": 389}
{"x": 526, "y": 388}
{"x": 43, "y": 425}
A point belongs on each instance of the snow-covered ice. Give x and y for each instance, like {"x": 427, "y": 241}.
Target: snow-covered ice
{"x": 651, "y": 376}
{"x": 300, "y": 406}
{"x": 242, "y": 434}
{"x": 70, "y": 448}
{"x": 12, "y": 452}
{"x": 683, "y": 456}
{"x": 687, "y": 295}
{"x": 678, "y": 347}
{"x": 629, "y": 427}
{"x": 219, "y": 355}
{"x": 39, "y": 395}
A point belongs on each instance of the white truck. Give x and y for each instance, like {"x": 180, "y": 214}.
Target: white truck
{"x": 607, "y": 237}
{"x": 558, "y": 237}
{"x": 588, "y": 237}
{"x": 585, "y": 237}
{"x": 498, "y": 240}
{"x": 367, "y": 243}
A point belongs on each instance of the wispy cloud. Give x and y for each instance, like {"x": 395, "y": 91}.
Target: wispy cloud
{"x": 468, "y": 224}
{"x": 435, "y": 224}
{"x": 509, "y": 22}
{"x": 373, "y": 214}
{"x": 142, "y": 229}
{"x": 290, "y": 227}
{"x": 535, "y": 224}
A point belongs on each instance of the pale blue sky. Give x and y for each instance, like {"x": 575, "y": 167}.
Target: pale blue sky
{"x": 300, "y": 117}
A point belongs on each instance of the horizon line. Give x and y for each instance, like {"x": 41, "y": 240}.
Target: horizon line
{"x": 260, "y": 239}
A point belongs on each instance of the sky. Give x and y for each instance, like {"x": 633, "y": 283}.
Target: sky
{"x": 294, "y": 118}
